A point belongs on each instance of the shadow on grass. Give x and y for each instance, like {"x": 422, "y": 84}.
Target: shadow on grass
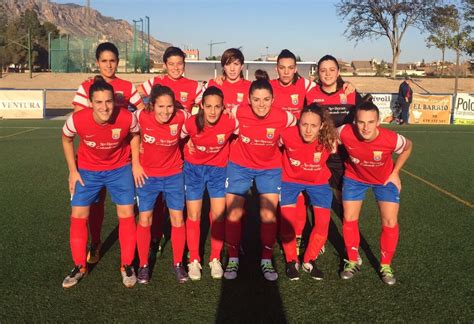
{"x": 106, "y": 245}
{"x": 250, "y": 298}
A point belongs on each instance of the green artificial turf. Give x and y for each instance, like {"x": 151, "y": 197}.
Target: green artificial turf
{"x": 433, "y": 263}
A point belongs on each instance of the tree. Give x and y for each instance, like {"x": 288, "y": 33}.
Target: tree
{"x": 384, "y": 18}
{"x": 441, "y": 26}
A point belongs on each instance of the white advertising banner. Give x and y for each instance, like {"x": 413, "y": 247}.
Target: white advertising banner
{"x": 387, "y": 104}
{"x": 21, "y": 104}
{"x": 464, "y": 109}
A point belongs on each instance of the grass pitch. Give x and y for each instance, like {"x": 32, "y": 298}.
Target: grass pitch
{"x": 433, "y": 263}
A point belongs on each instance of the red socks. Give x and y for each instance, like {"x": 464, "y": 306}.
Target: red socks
{"x": 193, "y": 234}
{"x": 178, "y": 241}
{"x": 268, "y": 233}
{"x": 300, "y": 217}
{"x": 287, "y": 232}
{"x": 232, "y": 237}
{"x": 388, "y": 243}
{"x": 127, "y": 239}
{"x": 350, "y": 231}
{"x": 319, "y": 234}
{"x": 143, "y": 243}
{"x": 78, "y": 240}
{"x": 217, "y": 237}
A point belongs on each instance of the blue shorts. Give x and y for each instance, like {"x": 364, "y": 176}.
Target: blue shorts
{"x": 119, "y": 182}
{"x": 172, "y": 188}
{"x": 319, "y": 195}
{"x": 199, "y": 177}
{"x": 355, "y": 190}
{"x": 239, "y": 180}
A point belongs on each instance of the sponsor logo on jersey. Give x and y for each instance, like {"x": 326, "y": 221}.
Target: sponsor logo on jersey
{"x": 377, "y": 155}
{"x": 148, "y": 139}
{"x": 343, "y": 98}
{"x": 116, "y": 133}
{"x": 294, "y": 99}
{"x": 183, "y": 96}
{"x": 295, "y": 162}
{"x": 270, "y": 133}
{"x": 89, "y": 136}
{"x": 240, "y": 97}
{"x": 201, "y": 148}
{"x": 220, "y": 139}
{"x": 317, "y": 157}
{"x": 245, "y": 139}
{"x": 90, "y": 143}
{"x": 174, "y": 129}
{"x": 354, "y": 160}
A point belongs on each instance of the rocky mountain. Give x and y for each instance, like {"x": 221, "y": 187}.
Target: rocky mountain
{"x": 81, "y": 21}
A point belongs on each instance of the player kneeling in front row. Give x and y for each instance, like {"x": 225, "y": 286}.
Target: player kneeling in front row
{"x": 370, "y": 165}
{"x": 103, "y": 160}
{"x": 306, "y": 150}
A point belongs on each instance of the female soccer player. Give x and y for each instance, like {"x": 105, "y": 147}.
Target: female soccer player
{"x": 125, "y": 94}
{"x": 370, "y": 165}
{"x": 205, "y": 167}
{"x": 306, "y": 150}
{"x": 255, "y": 156}
{"x": 103, "y": 160}
{"x": 157, "y": 168}
{"x": 185, "y": 90}
{"x": 232, "y": 83}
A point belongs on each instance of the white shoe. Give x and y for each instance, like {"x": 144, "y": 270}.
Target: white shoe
{"x": 231, "y": 269}
{"x": 269, "y": 271}
{"x": 129, "y": 279}
{"x": 74, "y": 277}
{"x": 194, "y": 270}
{"x": 216, "y": 269}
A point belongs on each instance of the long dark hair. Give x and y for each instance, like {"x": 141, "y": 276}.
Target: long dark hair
{"x": 211, "y": 91}
{"x": 261, "y": 82}
{"x": 159, "y": 91}
{"x": 100, "y": 85}
{"x": 339, "y": 81}
{"x": 367, "y": 104}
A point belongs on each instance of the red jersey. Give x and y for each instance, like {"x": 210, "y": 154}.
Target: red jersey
{"x": 303, "y": 162}
{"x": 339, "y": 105}
{"x": 370, "y": 162}
{"x": 212, "y": 143}
{"x": 185, "y": 90}
{"x": 235, "y": 94}
{"x": 292, "y": 97}
{"x": 257, "y": 144}
{"x": 101, "y": 147}
{"x": 160, "y": 155}
{"x": 125, "y": 94}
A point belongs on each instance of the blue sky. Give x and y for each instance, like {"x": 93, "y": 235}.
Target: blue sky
{"x": 309, "y": 28}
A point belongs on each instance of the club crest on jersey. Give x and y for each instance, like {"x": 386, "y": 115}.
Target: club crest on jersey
{"x": 240, "y": 97}
{"x": 174, "y": 129}
{"x": 183, "y": 96}
{"x": 343, "y": 98}
{"x": 377, "y": 155}
{"x": 90, "y": 143}
{"x": 294, "y": 99}
{"x": 116, "y": 133}
{"x": 317, "y": 157}
{"x": 148, "y": 139}
{"x": 270, "y": 133}
{"x": 220, "y": 139}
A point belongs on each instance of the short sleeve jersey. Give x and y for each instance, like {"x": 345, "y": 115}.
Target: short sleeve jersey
{"x": 125, "y": 94}
{"x": 303, "y": 162}
{"x": 160, "y": 155}
{"x": 257, "y": 144}
{"x": 370, "y": 162}
{"x": 292, "y": 97}
{"x": 101, "y": 147}
{"x": 212, "y": 143}
{"x": 235, "y": 94}
{"x": 339, "y": 105}
{"x": 185, "y": 90}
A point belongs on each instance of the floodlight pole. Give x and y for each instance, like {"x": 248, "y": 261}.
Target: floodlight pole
{"x": 148, "y": 45}
{"x": 29, "y": 53}
{"x": 49, "y": 51}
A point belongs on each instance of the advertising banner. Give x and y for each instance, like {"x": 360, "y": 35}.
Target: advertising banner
{"x": 464, "y": 109}
{"x": 430, "y": 109}
{"x": 21, "y": 104}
